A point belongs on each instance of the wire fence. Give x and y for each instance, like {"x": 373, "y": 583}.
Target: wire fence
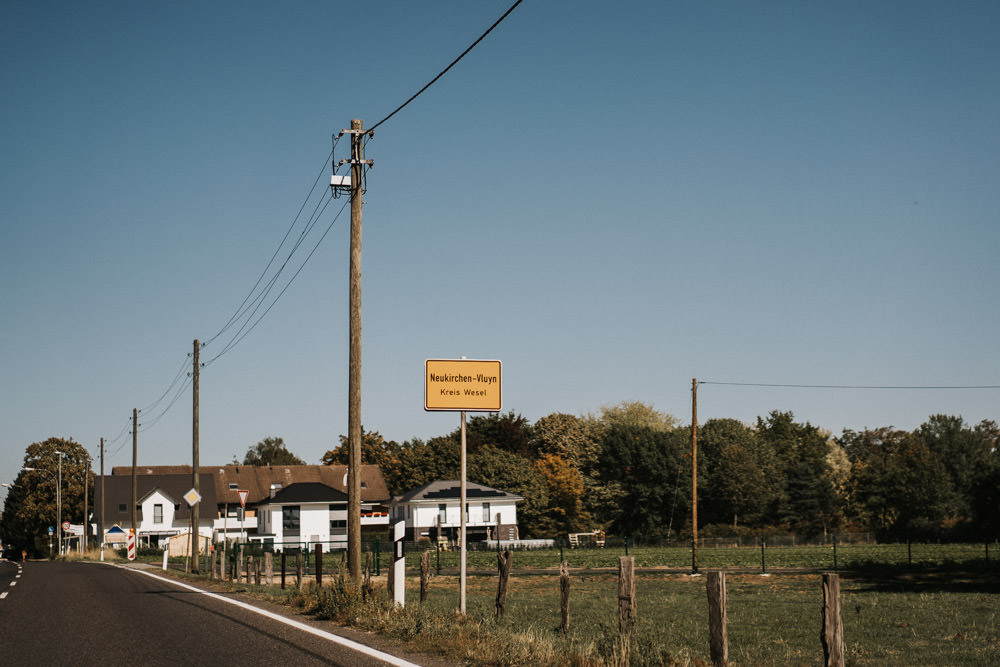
{"x": 762, "y": 556}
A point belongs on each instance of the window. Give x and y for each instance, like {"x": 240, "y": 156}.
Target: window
{"x": 442, "y": 514}
{"x": 122, "y": 507}
{"x": 486, "y": 512}
{"x": 157, "y": 513}
{"x": 290, "y": 519}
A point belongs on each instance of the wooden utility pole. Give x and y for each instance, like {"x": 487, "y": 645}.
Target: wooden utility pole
{"x": 354, "y": 371}
{"x": 86, "y": 523}
{"x": 135, "y": 450}
{"x": 694, "y": 475}
{"x": 195, "y": 536}
{"x": 100, "y": 524}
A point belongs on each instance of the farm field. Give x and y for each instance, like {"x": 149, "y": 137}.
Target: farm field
{"x": 909, "y": 619}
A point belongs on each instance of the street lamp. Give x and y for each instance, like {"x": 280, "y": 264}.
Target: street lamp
{"x": 58, "y": 499}
{"x": 59, "y": 504}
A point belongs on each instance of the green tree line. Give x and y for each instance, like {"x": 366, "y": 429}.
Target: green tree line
{"x": 627, "y": 470}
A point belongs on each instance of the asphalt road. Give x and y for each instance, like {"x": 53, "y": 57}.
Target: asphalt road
{"x": 97, "y": 614}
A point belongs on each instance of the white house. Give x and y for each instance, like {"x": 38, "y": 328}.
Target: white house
{"x": 432, "y": 512}
{"x": 220, "y": 512}
{"x": 161, "y": 511}
{"x": 307, "y": 513}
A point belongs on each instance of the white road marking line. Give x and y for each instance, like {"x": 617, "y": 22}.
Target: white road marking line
{"x": 14, "y": 583}
{"x": 337, "y": 639}
{"x": 4, "y": 594}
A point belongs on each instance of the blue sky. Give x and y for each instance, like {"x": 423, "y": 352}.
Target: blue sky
{"x": 610, "y": 202}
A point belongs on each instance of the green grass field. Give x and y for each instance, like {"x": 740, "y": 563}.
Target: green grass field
{"x": 944, "y": 619}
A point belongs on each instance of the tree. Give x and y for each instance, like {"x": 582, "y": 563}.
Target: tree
{"x": 966, "y": 455}
{"x": 635, "y": 414}
{"x": 509, "y": 432}
{"x": 424, "y": 462}
{"x": 645, "y": 462}
{"x": 513, "y": 473}
{"x": 565, "y": 491}
{"x": 806, "y": 501}
{"x": 736, "y": 481}
{"x": 572, "y": 438}
{"x": 898, "y": 486}
{"x": 271, "y": 451}
{"x": 31, "y": 508}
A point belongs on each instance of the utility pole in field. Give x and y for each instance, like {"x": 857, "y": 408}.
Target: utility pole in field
{"x": 195, "y": 536}
{"x": 694, "y": 475}
{"x": 358, "y": 164}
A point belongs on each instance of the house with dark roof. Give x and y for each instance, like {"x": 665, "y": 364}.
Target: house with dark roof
{"x": 306, "y": 513}
{"x": 161, "y": 511}
{"x": 220, "y": 513}
{"x": 431, "y": 512}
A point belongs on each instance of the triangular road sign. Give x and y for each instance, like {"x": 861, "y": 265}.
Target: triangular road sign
{"x": 243, "y": 497}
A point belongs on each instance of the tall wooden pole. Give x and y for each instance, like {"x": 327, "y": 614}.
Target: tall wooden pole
{"x": 100, "y": 525}
{"x": 354, "y": 371}
{"x": 135, "y": 450}
{"x": 462, "y": 572}
{"x": 86, "y": 498}
{"x": 195, "y": 537}
{"x": 694, "y": 475}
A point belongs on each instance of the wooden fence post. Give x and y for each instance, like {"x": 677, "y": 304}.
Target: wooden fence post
{"x": 298, "y": 570}
{"x": 425, "y": 574}
{"x": 239, "y": 569}
{"x": 626, "y": 594}
{"x": 211, "y": 568}
{"x": 269, "y": 567}
{"x": 717, "y": 630}
{"x": 832, "y": 632}
{"x": 503, "y": 564}
{"x": 564, "y": 598}
{"x": 626, "y": 607}
{"x": 319, "y": 565}
{"x": 366, "y": 579}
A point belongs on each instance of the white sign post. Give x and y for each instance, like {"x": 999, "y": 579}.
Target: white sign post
{"x": 398, "y": 564}
{"x": 463, "y": 385}
{"x": 243, "y": 512}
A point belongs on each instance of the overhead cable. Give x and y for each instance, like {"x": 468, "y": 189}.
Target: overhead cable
{"x": 445, "y": 70}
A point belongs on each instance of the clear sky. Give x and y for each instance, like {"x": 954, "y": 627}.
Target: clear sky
{"x": 611, "y": 198}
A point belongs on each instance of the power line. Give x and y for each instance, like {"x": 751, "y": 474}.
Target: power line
{"x": 153, "y": 420}
{"x": 240, "y": 310}
{"x": 241, "y": 334}
{"x": 445, "y": 70}
{"x": 177, "y": 377}
{"x": 850, "y": 386}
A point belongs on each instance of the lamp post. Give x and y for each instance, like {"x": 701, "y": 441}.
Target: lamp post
{"x": 58, "y": 500}
{"x": 59, "y": 505}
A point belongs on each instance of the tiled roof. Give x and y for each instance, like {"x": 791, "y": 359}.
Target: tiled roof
{"x": 451, "y": 489}
{"x": 307, "y": 492}
{"x": 118, "y": 491}
{"x": 258, "y": 479}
